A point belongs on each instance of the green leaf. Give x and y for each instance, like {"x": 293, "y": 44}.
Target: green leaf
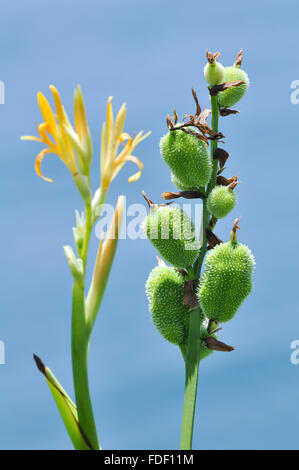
{"x": 66, "y": 407}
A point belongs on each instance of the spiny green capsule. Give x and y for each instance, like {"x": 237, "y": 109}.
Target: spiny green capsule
{"x": 221, "y": 200}
{"x": 232, "y": 95}
{"x": 165, "y": 292}
{"x": 188, "y": 158}
{"x": 227, "y": 280}
{"x": 172, "y": 233}
{"x": 179, "y": 184}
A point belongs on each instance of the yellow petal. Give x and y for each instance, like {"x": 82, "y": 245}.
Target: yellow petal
{"x": 120, "y": 123}
{"x": 137, "y": 175}
{"x": 58, "y": 102}
{"x": 47, "y": 113}
{"x": 31, "y": 137}
{"x": 42, "y": 129}
{"x": 124, "y": 136}
{"x": 139, "y": 138}
{"x": 80, "y": 118}
{"x": 119, "y": 163}
{"x": 38, "y": 163}
{"x": 103, "y": 148}
{"x": 109, "y": 128}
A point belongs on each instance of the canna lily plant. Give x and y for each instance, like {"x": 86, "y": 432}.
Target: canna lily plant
{"x": 73, "y": 145}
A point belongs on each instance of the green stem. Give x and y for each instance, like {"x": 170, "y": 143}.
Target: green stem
{"x": 80, "y": 339}
{"x": 80, "y": 344}
{"x": 88, "y": 228}
{"x": 192, "y": 364}
{"x": 192, "y": 354}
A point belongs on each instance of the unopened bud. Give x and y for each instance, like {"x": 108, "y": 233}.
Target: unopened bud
{"x": 82, "y": 183}
{"x": 75, "y": 264}
{"x": 79, "y": 231}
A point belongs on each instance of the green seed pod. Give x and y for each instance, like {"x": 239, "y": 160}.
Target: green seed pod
{"x": 179, "y": 184}
{"x": 172, "y": 233}
{"x": 165, "y": 292}
{"x": 188, "y": 158}
{"x": 214, "y": 73}
{"x": 232, "y": 95}
{"x": 226, "y": 281}
{"x": 221, "y": 200}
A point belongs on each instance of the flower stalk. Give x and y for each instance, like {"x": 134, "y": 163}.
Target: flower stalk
{"x": 80, "y": 344}
{"x": 186, "y": 306}
{"x": 73, "y": 146}
{"x": 192, "y": 358}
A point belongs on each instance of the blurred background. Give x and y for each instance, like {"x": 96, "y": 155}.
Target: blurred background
{"x": 148, "y": 54}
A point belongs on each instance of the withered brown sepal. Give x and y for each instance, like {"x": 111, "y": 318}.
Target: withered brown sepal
{"x": 190, "y": 297}
{"x": 238, "y": 59}
{"x": 216, "y": 345}
{"x": 212, "y": 239}
{"x": 224, "y": 86}
{"x": 197, "y": 120}
{"x": 185, "y": 194}
{"x": 227, "y": 112}
{"x": 221, "y": 155}
{"x": 211, "y": 58}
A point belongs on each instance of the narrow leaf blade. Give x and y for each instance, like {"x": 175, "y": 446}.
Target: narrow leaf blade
{"x": 66, "y": 407}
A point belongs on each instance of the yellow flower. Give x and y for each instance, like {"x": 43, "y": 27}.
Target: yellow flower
{"x": 57, "y": 133}
{"x": 112, "y": 137}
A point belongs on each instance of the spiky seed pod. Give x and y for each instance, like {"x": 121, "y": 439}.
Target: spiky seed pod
{"x": 227, "y": 280}
{"x": 204, "y": 350}
{"x": 232, "y": 95}
{"x": 179, "y": 184}
{"x": 214, "y": 73}
{"x": 172, "y": 233}
{"x": 221, "y": 200}
{"x": 165, "y": 292}
{"x": 188, "y": 158}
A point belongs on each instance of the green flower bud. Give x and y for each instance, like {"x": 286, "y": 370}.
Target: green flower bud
{"x": 226, "y": 281}
{"x": 165, "y": 292}
{"x": 172, "y": 233}
{"x": 214, "y": 73}
{"x": 188, "y": 158}
{"x": 75, "y": 264}
{"x": 221, "y": 200}
{"x": 79, "y": 231}
{"x": 232, "y": 95}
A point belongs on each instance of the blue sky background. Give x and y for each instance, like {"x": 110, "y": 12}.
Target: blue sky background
{"x": 148, "y": 54}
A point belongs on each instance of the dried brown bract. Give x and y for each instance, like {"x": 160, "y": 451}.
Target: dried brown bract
{"x": 151, "y": 204}
{"x": 216, "y": 345}
{"x": 190, "y": 297}
{"x": 224, "y": 86}
{"x": 212, "y": 239}
{"x": 212, "y": 57}
{"x": 221, "y": 155}
{"x": 221, "y": 180}
{"x": 238, "y": 60}
{"x": 197, "y": 120}
{"x": 184, "y": 194}
{"x": 227, "y": 112}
